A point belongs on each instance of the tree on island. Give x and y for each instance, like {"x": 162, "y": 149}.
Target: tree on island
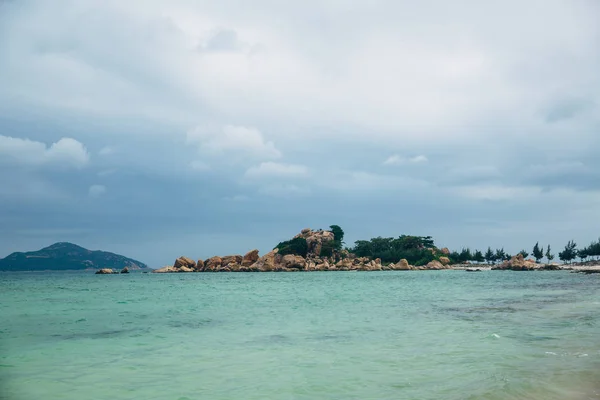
{"x": 415, "y": 249}
{"x": 569, "y": 253}
{"x": 478, "y": 256}
{"x": 465, "y": 255}
{"x": 524, "y": 253}
{"x": 501, "y": 255}
{"x": 538, "y": 252}
{"x": 490, "y": 257}
{"x": 297, "y": 246}
{"x": 338, "y": 237}
{"x": 549, "y": 255}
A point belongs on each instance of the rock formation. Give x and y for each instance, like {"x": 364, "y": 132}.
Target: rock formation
{"x": 315, "y": 260}
{"x": 518, "y": 263}
{"x": 105, "y": 271}
{"x": 125, "y": 270}
{"x": 315, "y": 240}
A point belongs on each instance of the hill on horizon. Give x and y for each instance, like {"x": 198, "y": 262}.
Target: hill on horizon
{"x": 64, "y": 256}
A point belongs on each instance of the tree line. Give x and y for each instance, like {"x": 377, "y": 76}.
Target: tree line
{"x": 567, "y": 255}
{"x": 420, "y": 250}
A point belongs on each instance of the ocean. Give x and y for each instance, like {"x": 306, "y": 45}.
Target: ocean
{"x": 323, "y": 335}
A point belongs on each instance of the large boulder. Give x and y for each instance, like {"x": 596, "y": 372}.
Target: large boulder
{"x": 345, "y": 264}
{"x": 200, "y": 266}
{"x": 435, "y": 264}
{"x": 402, "y": 265}
{"x": 291, "y": 261}
{"x": 250, "y": 258}
{"x": 518, "y": 263}
{"x": 445, "y": 251}
{"x": 266, "y": 262}
{"x": 105, "y": 271}
{"x": 444, "y": 260}
{"x": 231, "y": 259}
{"x": 315, "y": 239}
{"x": 125, "y": 270}
{"x": 213, "y": 263}
{"x": 184, "y": 262}
{"x": 186, "y": 269}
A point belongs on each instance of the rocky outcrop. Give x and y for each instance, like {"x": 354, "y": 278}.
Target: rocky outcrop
{"x": 445, "y": 251}
{"x": 125, "y": 270}
{"x": 315, "y": 240}
{"x": 213, "y": 263}
{"x": 184, "y": 262}
{"x": 265, "y": 263}
{"x": 105, "y": 271}
{"x": 200, "y": 266}
{"x": 401, "y": 265}
{"x": 444, "y": 260}
{"x": 250, "y": 258}
{"x": 518, "y": 263}
{"x": 435, "y": 264}
{"x": 294, "y": 262}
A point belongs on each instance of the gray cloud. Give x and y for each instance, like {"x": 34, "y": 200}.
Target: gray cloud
{"x": 473, "y": 123}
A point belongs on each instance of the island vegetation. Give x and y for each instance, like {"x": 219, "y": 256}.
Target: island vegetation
{"x": 323, "y": 250}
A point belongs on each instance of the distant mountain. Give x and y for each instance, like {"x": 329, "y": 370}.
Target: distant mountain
{"x": 66, "y": 256}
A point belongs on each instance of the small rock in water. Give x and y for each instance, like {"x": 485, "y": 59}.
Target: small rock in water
{"x": 125, "y": 270}
{"x": 105, "y": 271}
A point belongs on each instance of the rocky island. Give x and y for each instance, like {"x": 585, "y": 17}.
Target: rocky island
{"x": 311, "y": 250}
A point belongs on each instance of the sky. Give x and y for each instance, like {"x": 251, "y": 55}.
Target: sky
{"x": 157, "y": 129}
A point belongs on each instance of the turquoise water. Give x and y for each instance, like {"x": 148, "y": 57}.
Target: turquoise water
{"x": 325, "y": 335}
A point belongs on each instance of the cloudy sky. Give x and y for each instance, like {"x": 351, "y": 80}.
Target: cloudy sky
{"x": 190, "y": 127}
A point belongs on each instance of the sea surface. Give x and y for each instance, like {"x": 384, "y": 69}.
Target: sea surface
{"x": 324, "y": 335}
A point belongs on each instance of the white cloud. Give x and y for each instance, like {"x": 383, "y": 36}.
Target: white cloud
{"x": 198, "y": 165}
{"x": 65, "y": 152}
{"x": 399, "y": 160}
{"x": 274, "y": 169}
{"x": 97, "y": 190}
{"x": 235, "y": 140}
{"x": 106, "y": 151}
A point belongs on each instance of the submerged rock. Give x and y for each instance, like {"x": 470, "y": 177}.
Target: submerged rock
{"x": 105, "y": 271}
{"x": 164, "y": 270}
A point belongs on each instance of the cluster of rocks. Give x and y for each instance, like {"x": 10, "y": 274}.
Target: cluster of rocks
{"x": 518, "y": 263}
{"x": 108, "y": 271}
{"x": 314, "y": 260}
{"x": 273, "y": 261}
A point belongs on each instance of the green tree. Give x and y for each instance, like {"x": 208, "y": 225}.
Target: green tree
{"x": 338, "y": 237}
{"x": 538, "y": 252}
{"x": 569, "y": 253}
{"x": 478, "y": 256}
{"x": 490, "y": 257}
{"x": 500, "y": 254}
{"x": 549, "y": 255}
{"x": 465, "y": 255}
{"x": 583, "y": 253}
{"x": 524, "y": 253}
{"x": 296, "y": 246}
{"x": 415, "y": 249}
